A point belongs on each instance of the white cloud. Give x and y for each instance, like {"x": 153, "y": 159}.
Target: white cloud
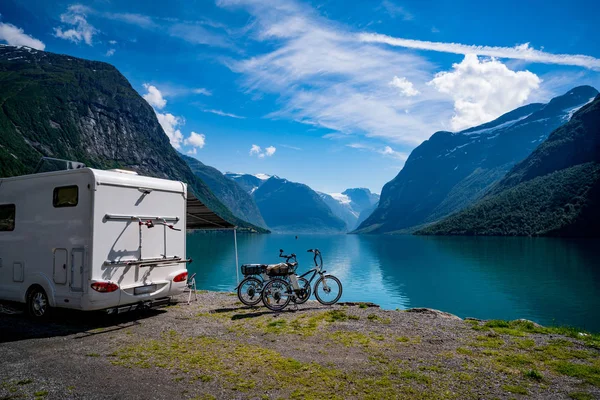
{"x": 395, "y": 10}
{"x": 325, "y": 78}
{"x": 202, "y": 91}
{"x": 154, "y": 97}
{"x": 140, "y": 20}
{"x": 17, "y": 37}
{"x": 386, "y": 150}
{"x": 76, "y": 16}
{"x": 258, "y": 151}
{"x": 406, "y": 87}
{"x": 112, "y": 41}
{"x": 192, "y": 151}
{"x": 197, "y": 34}
{"x": 110, "y": 52}
{"x": 483, "y": 89}
{"x": 519, "y": 52}
{"x": 170, "y": 125}
{"x": 255, "y": 149}
{"x": 196, "y": 140}
{"x": 269, "y": 151}
{"x": 224, "y": 114}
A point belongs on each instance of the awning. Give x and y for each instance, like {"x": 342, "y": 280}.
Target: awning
{"x": 199, "y": 216}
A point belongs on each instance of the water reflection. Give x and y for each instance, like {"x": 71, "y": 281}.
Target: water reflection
{"x": 551, "y": 281}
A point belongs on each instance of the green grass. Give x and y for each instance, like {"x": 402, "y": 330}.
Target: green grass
{"x": 581, "y": 396}
{"x": 515, "y": 389}
{"x": 588, "y": 373}
{"x": 534, "y": 374}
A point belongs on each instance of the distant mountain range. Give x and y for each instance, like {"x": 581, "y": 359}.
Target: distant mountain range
{"x": 233, "y": 195}
{"x": 65, "y": 107}
{"x": 351, "y": 204}
{"x": 555, "y": 191}
{"x": 451, "y": 171}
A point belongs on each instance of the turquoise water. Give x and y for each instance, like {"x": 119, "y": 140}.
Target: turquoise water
{"x": 547, "y": 280}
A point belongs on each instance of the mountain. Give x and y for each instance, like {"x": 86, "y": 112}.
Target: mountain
{"x": 294, "y": 208}
{"x": 65, "y": 107}
{"x": 351, "y": 204}
{"x": 451, "y": 171}
{"x": 341, "y": 209}
{"x": 227, "y": 191}
{"x": 248, "y": 182}
{"x": 553, "y": 192}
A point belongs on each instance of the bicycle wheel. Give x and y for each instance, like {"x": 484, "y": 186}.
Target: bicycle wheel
{"x": 249, "y": 291}
{"x": 328, "y": 289}
{"x": 302, "y": 297}
{"x": 276, "y": 294}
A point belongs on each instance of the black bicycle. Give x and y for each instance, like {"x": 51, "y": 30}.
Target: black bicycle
{"x": 278, "y": 292}
{"x": 250, "y": 289}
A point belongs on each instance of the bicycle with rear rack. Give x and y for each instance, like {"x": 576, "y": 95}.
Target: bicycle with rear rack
{"x": 280, "y": 290}
{"x": 257, "y": 275}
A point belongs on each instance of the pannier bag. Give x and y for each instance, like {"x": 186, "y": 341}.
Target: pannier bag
{"x": 253, "y": 269}
{"x": 281, "y": 269}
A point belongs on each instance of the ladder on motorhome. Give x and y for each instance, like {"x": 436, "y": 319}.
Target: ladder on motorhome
{"x": 149, "y": 222}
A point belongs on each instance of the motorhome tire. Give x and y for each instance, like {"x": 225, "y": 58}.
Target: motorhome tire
{"x": 37, "y": 304}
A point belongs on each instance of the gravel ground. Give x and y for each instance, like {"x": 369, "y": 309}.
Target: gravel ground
{"x": 217, "y": 348}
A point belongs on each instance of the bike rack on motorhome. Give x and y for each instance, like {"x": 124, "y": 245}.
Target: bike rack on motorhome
{"x": 74, "y": 239}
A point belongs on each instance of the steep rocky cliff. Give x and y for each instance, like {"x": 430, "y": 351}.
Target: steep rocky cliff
{"x": 65, "y": 107}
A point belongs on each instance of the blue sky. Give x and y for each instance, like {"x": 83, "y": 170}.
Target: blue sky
{"x": 332, "y": 93}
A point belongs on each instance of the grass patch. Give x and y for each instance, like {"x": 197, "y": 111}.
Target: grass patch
{"x": 40, "y": 394}
{"x": 415, "y": 376}
{"x": 587, "y": 373}
{"x": 489, "y": 342}
{"x": 377, "y": 318}
{"x": 515, "y": 389}
{"x": 534, "y": 374}
{"x": 581, "y": 396}
{"x": 350, "y": 339}
{"x": 464, "y": 351}
{"x": 24, "y": 382}
{"x": 402, "y": 339}
{"x": 525, "y": 344}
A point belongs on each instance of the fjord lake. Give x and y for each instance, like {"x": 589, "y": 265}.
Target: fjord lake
{"x": 550, "y": 281}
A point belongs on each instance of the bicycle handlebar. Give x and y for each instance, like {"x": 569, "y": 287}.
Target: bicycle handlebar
{"x": 317, "y": 253}
{"x": 287, "y": 257}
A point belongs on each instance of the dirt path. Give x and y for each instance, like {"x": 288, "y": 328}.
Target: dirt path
{"x": 216, "y": 348}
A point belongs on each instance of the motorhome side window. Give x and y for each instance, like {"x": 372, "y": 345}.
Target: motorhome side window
{"x": 7, "y": 217}
{"x": 65, "y": 196}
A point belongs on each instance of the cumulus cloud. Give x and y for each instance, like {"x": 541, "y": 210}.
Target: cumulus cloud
{"x": 154, "y": 97}
{"x": 260, "y": 153}
{"x": 110, "y": 52}
{"x": 196, "y": 140}
{"x": 406, "y": 87}
{"x": 519, "y": 52}
{"x": 112, "y": 42}
{"x": 255, "y": 149}
{"x": 269, "y": 151}
{"x": 81, "y": 30}
{"x": 483, "y": 89}
{"x": 17, "y": 37}
{"x": 170, "y": 125}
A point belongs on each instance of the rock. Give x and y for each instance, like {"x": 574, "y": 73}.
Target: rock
{"x": 359, "y": 303}
{"x": 535, "y": 324}
{"x": 435, "y": 313}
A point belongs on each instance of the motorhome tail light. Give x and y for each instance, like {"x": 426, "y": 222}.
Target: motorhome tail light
{"x": 181, "y": 277}
{"x": 104, "y": 287}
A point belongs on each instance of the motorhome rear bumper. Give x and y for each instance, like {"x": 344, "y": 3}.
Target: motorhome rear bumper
{"x": 142, "y": 305}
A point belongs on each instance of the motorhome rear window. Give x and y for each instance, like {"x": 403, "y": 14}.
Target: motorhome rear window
{"x": 7, "y": 217}
{"x": 66, "y": 196}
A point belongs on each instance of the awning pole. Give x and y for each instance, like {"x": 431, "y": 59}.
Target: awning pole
{"x": 237, "y": 270}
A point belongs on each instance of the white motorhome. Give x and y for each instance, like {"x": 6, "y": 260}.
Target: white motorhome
{"x": 89, "y": 240}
